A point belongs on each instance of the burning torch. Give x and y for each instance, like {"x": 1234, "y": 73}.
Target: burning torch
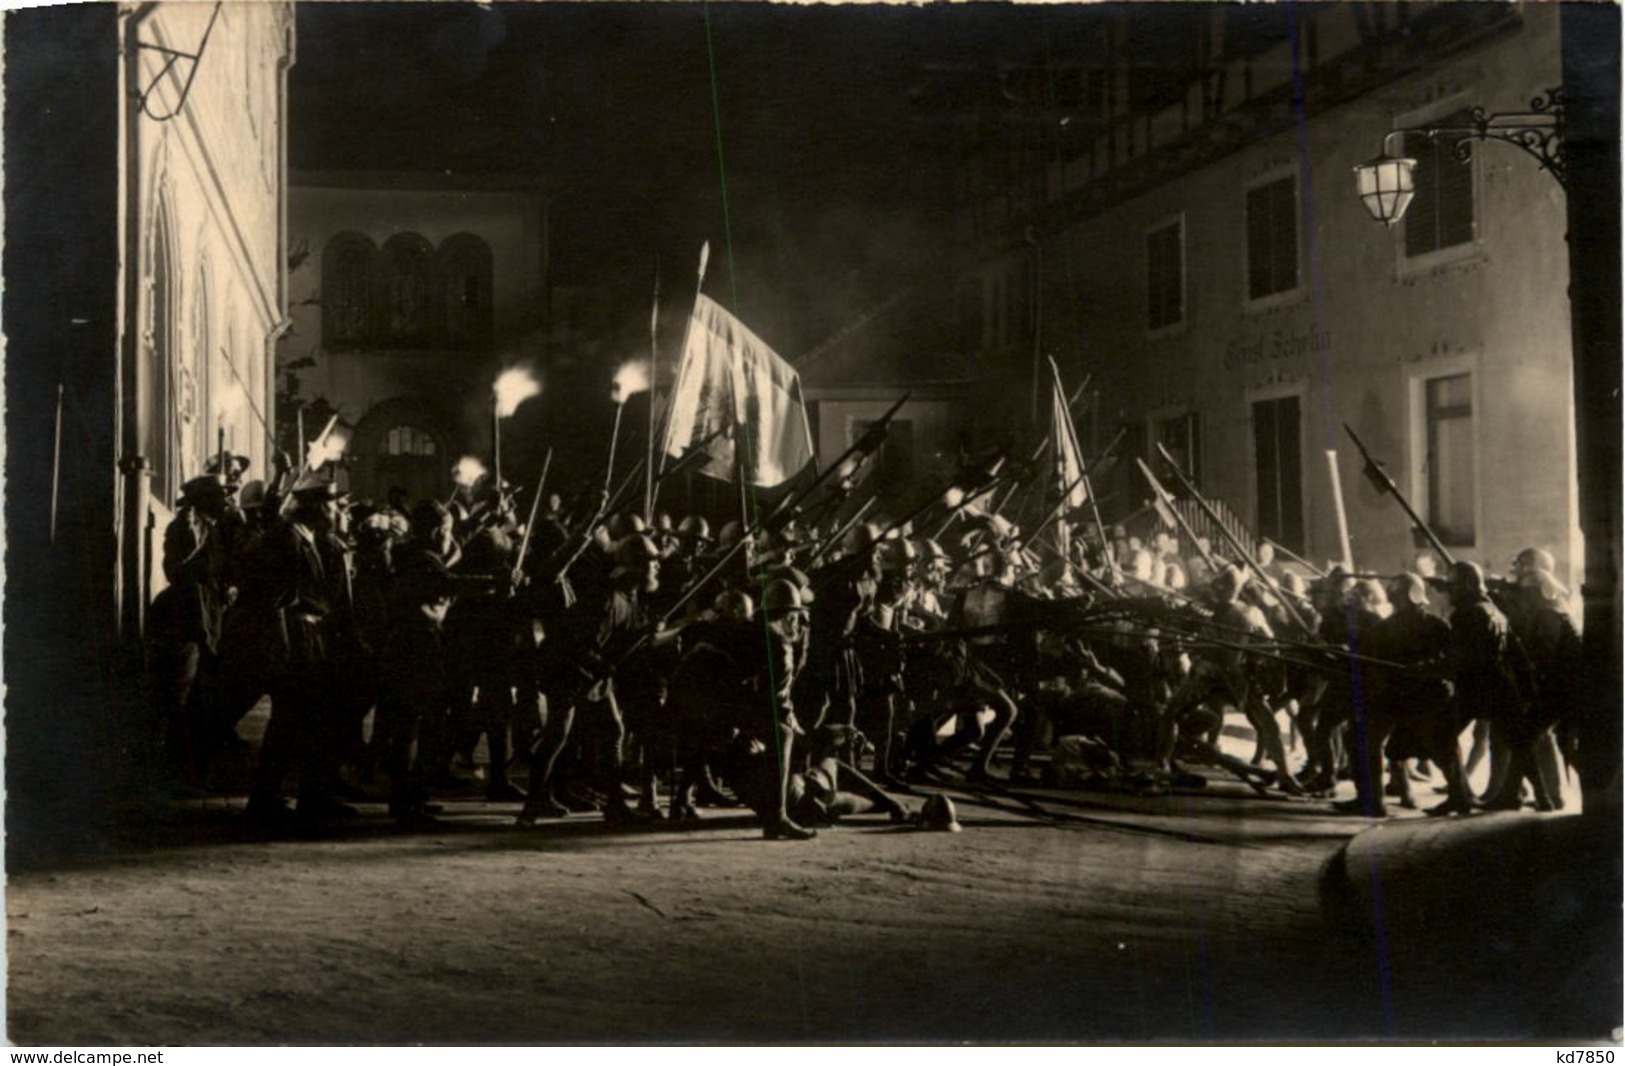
{"x": 511, "y": 388}
{"x": 632, "y": 377}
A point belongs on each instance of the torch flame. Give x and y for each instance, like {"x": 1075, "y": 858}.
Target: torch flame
{"x": 954, "y": 496}
{"x": 633, "y": 376}
{"x": 468, "y": 471}
{"x": 513, "y": 387}
{"x": 230, "y": 399}
{"x": 329, "y": 445}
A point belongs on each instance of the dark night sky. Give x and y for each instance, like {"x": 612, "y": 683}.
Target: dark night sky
{"x": 837, "y": 179}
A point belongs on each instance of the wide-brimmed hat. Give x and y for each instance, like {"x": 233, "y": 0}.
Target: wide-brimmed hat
{"x": 200, "y": 488}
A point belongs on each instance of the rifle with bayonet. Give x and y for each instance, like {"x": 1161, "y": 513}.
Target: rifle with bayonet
{"x": 1385, "y": 486}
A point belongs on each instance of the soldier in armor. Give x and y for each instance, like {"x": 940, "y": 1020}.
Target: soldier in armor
{"x": 1407, "y": 712}
{"x": 1494, "y": 682}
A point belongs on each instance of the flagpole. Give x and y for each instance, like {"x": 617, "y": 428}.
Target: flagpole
{"x": 496, "y": 440}
{"x": 654, "y": 378}
{"x": 688, "y": 335}
{"x": 56, "y": 460}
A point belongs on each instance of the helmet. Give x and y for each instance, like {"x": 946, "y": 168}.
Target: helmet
{"x": 896, "y": 555}
{"x": 1229, "y": 581}
{"x": 1467, "y": 578}
{"x": 1408, "y": 588}
{"x": 251, "y": 495}
{"x": 1534, "y": 560}
{"x": 625, "y": 525}
{"x": 938, "y": 814}
{"x": 861, "y": 538}
{"x": 1551, "y": 591}
{"x": 694, "y": 527}
{"x": 781, "y": 597}
{"x": 796, "y": 577}
{"x": 635, "y": 550}
{"x": 729, "y": 535}
{"x": 734, "y": 604}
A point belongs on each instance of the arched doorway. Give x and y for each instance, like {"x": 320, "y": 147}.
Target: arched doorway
{"x": 401, "y": 443}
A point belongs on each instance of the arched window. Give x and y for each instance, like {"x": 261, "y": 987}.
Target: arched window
{"x": 156, "y": 372}
{"x": 405, "y": 295}
{"x": 465, "y": 275}
{"x": 408, "y": 440}
{"x": 347, "y": 265}
{"x": 197, "y": 384}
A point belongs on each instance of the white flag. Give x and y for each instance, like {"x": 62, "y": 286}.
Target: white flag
{"x": 729, "y": 379}
{"x": 1064, "y": 442}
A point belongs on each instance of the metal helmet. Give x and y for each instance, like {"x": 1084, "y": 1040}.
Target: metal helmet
{"x": 729, "y": 535}
{"x": 1534, "y": 560}
{"x": 635, "y": 551}
{"x": 896, "y": 555}
{"x": 1408, "y": 588}
{"x": 625, "y": 525}
{"x": 781, "y": 596}
{"x": 1229, "y": 582}
{"x": 694, "y": 527}
{"x": 1466, "y": 578}
{"x": 734, "y": 605}
{"x": 938, "y": 814}
{"x": 862, "y": 538}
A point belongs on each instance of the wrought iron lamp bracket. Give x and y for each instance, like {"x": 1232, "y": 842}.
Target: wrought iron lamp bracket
{"x": 1538, "y": 131}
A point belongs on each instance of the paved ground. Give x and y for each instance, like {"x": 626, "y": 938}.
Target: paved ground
{"x": 1083, "y": 916}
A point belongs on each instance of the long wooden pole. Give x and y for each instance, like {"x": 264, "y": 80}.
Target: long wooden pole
{"x": 1342, "y": 514}
{"x": 1166, "y": 499}
{"x": 1235, "y": 544}
{"x": 56, "y": 460}
{"x": 654, "y": 358}
{"x": 1386, "y": 484}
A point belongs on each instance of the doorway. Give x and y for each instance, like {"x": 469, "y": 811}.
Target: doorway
{"x": 1278, "y": 470}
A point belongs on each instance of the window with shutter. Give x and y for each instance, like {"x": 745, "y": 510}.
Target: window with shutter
{"x": 1272, "y": 238}
{"x": 1441, "y": 214}
{"x": 1165, "y": 275}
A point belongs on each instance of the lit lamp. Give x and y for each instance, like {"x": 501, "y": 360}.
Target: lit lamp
{"x": 1386, "y": 185}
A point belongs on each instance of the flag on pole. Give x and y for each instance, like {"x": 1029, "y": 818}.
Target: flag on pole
{"x": 1064, "y": 446}
{"x": 730, "y": 379}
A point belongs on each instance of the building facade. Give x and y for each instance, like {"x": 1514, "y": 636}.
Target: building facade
{"x": 413, "y": 292}
{"x": 1209, "y": 266}
{"x": 146, "y": 148}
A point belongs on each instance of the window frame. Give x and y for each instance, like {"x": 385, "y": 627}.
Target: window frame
{"x": 1283, "y": 296}
{"x": 1298, "y": 391}
{"x": 1176, "y": 325}
{"x": 1407, "y": 265}
{"x": 1417, "y": 466}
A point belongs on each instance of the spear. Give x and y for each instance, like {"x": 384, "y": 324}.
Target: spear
{"x": 863, "y": 447}
{"x": 835, "y": 537}
{"x": 1295, "y": 557}
{"x": 530, "y": 523}
{"x": 1385, "y": 485}
{"x": 1241, "y": 552}
{"x": 1164, "y": 507}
